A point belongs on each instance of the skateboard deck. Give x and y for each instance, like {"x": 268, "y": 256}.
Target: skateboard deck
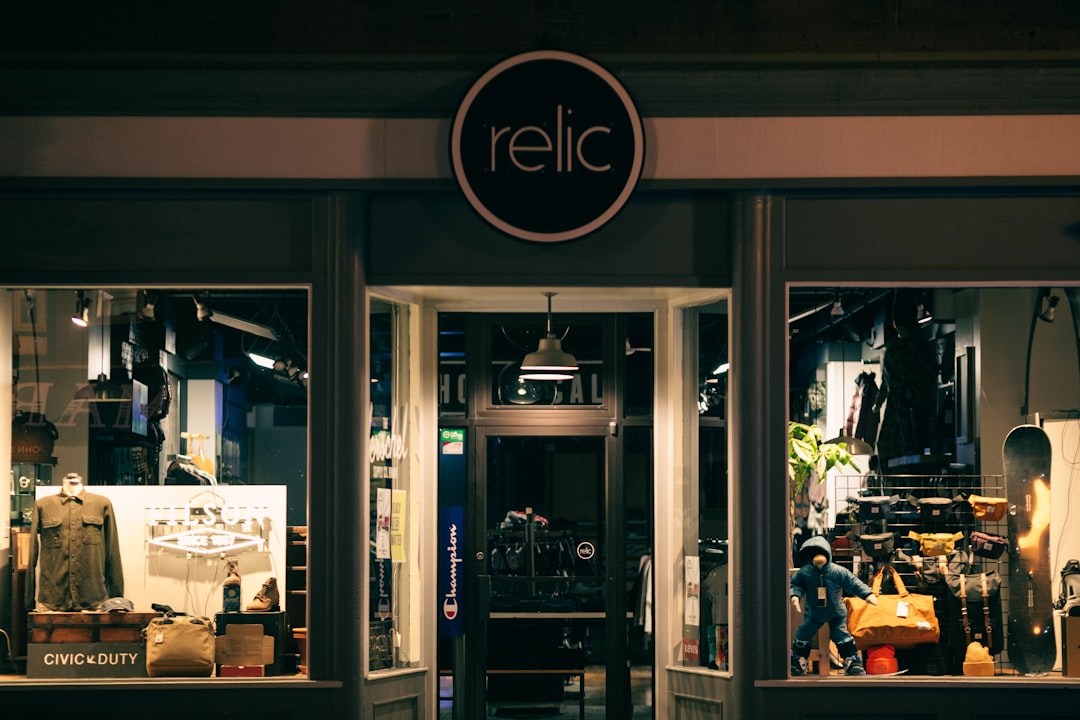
{"x": 1031, "y": 645}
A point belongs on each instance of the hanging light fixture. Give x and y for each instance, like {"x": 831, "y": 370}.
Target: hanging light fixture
{"x": 105, "y": 389}
{"x": 549, "y": 362}
{"x": 81, "y": 316}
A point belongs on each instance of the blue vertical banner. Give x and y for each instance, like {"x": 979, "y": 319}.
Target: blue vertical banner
{"x": 452, "y": 541}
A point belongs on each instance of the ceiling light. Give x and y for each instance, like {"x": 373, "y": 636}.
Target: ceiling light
{"x": 549, "y": 362}
{"x": 854, "y": 446}
{"x": 261, "y": 360}
{"x": 146, "y": 302}
{"x": 81, "y": 316}
{"x": 837, "y": 306}
{"x": 922, "y": 315}
{"x": 1049, "y": 303}
{"x": 203, "y": 311}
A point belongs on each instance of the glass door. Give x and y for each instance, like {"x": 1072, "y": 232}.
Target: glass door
{"x": 549, "y": 524}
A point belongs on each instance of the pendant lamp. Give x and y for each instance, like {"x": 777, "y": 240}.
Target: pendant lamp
{"x": 854, "y": 446}
{"x": 549, "y": 362}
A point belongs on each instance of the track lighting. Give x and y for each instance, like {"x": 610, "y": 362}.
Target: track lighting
{"x": 549, "y": 362}
{"x": 203, "y": 312}
{"x": 146, "y": 303}
{"x": 837, "y": 306}
{"x": 81, "y": 316}
{"x": 1050, "y": 302}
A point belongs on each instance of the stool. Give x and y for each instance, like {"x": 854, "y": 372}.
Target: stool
{"x": 820, "y": 654}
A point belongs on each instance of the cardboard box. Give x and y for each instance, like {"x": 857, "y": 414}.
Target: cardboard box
{"x": 1070, "y": 651}
{"x": 243, "y": 645}
{"x": 271, "y": 624}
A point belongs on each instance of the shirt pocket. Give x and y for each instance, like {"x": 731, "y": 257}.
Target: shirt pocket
{"x": 51, "y": 533}
{"x": 92, "y": 529}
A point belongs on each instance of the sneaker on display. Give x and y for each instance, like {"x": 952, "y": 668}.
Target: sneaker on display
{"x": 853, "y": 665}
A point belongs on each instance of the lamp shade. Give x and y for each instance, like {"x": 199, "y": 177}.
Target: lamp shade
{"x": 549, "y": 362}
{"x": 854, "y": 446}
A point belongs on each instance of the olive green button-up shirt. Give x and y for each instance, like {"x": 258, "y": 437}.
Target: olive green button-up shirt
{"x": 75, "y": 549}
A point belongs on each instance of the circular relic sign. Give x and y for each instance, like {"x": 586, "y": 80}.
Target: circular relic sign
{"x": 547, "y": 146}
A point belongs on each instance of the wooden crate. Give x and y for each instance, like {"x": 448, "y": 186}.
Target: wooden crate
{"x": 87, "y": 627}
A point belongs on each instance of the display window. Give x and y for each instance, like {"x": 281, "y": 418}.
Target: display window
{"x": 706, "y": 571}
{"x": 932, "y": 443}
{"x": 156, "y": 476}
{"x": 394, "y": 583}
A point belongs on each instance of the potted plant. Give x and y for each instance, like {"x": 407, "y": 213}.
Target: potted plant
{"x": 810, "y": 455}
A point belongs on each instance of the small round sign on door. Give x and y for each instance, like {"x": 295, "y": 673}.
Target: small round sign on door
{"x": 585, "y": 550}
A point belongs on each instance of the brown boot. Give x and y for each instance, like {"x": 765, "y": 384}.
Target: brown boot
{"x": 267, "y": 599}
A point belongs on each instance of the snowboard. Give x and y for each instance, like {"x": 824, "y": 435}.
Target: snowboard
{"x": 1031, "y": 645}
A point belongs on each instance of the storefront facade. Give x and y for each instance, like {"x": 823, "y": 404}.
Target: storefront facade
{"x": 362, "y": 216}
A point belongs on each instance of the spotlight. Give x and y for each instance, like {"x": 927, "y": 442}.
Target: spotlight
{"x": 837, "y": 306}
{"x": 146, "y": 303}
{"x": 81, "y": 316}
{"x": 261, "y": 360}
{"x": 1049, "y": 304}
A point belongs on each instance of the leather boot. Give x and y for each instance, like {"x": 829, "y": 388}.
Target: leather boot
{"x": 267, "y": 599}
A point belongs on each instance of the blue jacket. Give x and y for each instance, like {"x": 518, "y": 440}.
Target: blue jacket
{"x": 836, "y": 579}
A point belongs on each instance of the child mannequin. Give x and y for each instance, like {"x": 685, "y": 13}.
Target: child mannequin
{"x": 823, "y": 583}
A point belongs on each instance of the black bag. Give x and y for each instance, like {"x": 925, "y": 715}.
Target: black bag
{"x": 877, "y": 546}
{"x": 933, "y": 510}
{"x": 875, "y": 507}
{"x": 976, "y": 602}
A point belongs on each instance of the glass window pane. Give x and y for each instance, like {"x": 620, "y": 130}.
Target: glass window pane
{"x": 913, "y": 395}
{"x": 706, "y": 574}
{"x": 513, "y": 337}
{"x": 181, "y": 415}
{"x": 394, "y": 571}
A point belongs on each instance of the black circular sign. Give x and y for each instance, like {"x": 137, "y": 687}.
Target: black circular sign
{"x": 547, "y": 146}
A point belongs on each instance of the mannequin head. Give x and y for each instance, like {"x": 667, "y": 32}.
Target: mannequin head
{"x": 73, "y": 483}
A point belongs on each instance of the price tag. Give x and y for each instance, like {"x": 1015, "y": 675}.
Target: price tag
{"x": 901, "y": 609}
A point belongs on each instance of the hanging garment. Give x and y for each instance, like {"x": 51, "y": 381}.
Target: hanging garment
{"x": 862, "y": 418}
{"x": 75, "y": 542}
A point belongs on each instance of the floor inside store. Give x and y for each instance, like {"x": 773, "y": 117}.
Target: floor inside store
{"x": 595, "y": 701}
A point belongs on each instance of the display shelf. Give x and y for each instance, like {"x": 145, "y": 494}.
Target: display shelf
{"x": 910, "y": 512}
{"x": 296, "y": 586}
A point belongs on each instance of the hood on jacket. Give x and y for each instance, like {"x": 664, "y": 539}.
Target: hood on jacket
{"x": 813, "y": 546}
